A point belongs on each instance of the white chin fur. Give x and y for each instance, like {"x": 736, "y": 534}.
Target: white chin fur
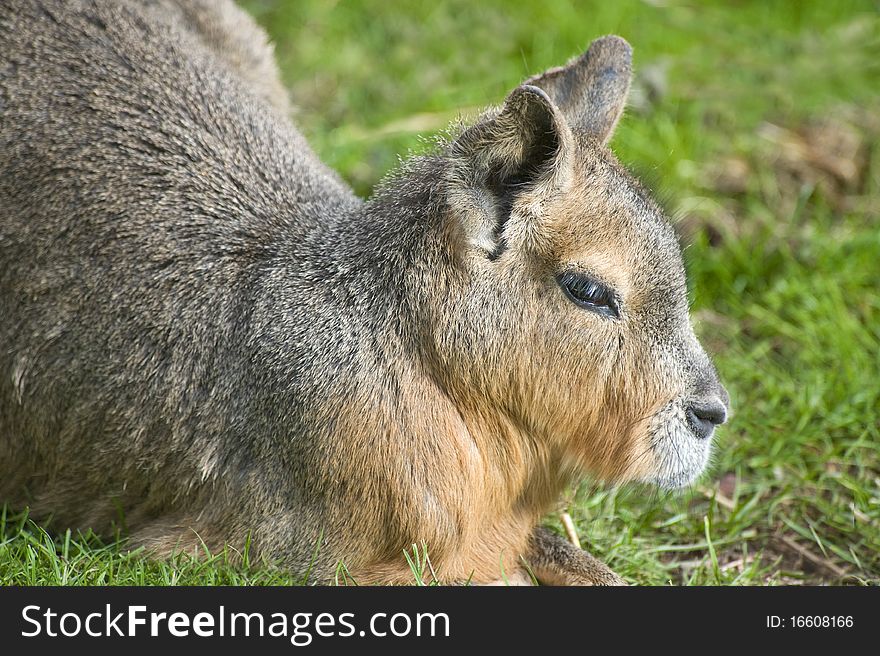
{"x": 679, "y": 455}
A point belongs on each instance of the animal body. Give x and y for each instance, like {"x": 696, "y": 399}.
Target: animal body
{"x": 206, "y": 337}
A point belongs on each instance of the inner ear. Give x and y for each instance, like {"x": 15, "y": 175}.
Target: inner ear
{"x": 520, "y": 149}
{"x": 507, "y": 179}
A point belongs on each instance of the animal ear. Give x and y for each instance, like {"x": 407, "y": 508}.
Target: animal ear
{"x": 591, "y": 90}
{"x": 523, "y": 147}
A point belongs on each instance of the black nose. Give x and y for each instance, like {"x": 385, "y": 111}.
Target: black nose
{"x": 704, "y": 416}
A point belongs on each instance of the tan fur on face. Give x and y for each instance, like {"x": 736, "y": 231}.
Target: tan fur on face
{"x": 589, "y": 406}
{"x": 585, "y": 388}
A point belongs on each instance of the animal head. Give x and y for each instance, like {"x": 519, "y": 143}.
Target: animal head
{"x": 567, "y": 312}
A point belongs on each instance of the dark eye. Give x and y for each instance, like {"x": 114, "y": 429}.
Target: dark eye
{"x": 589, "y": 293}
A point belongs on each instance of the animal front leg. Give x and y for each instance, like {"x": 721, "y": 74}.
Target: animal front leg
{"x": 557, "y": 562}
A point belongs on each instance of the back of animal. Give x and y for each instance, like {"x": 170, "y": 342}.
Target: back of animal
{"x": 140, "y": 194}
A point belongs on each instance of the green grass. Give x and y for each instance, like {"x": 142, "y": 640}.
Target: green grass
{"x": 783, "y": 256}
